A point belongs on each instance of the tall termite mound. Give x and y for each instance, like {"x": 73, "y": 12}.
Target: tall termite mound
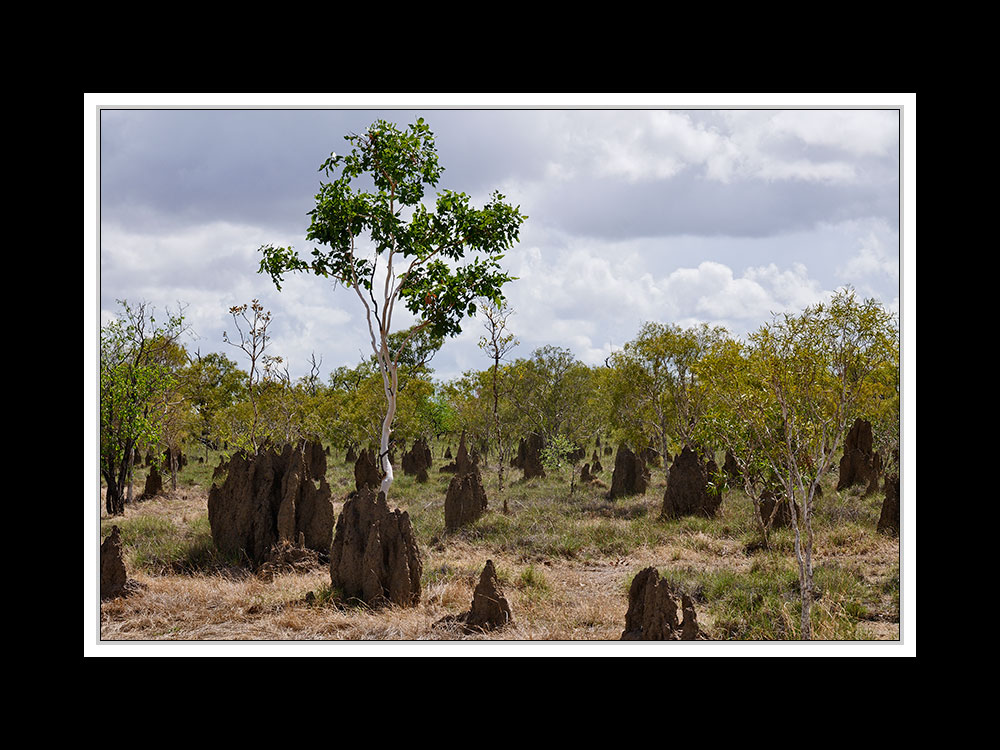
{"x": 689, "y": 491}
{"x": 374, "y": 557}
{"x": 529, "y": 456}
{"x": 652, "y": 611}
{"x": 113, "y": 575}
{"x": 859, "y": 464}
{"x": 272, "y": 497}
{"x": 466, "y": 498}
{"x": 630, "y": 476}
{"x": 418, "y": 460}
{"x": 888, "y": 520}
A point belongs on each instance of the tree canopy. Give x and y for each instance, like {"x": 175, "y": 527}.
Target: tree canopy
{"x": 437, "y": 262}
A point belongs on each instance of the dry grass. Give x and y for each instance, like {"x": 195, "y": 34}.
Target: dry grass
{"x": 564, "y": 566}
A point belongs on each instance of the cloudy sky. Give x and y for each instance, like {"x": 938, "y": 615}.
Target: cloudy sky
{"x": 720, "y": 213}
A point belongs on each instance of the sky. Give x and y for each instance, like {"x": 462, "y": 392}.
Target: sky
{"x": 655, "y": 208}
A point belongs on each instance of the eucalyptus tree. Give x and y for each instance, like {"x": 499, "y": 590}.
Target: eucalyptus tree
{"x": 541, "y": 390}
{"x": 653, "y": 388}
{"x": 134, "y": 379}
{"x": 390, "y": 248}
{"x": 783, "y": 401}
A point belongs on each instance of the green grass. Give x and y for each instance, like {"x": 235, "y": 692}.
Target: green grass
{"x": 533, "y": 584}
{"x": 157, "y": 545}
{"x": 763, "y": 604}
{"x": 546, "y": 526}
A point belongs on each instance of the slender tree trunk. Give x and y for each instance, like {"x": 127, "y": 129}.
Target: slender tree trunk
{"x": 801, "y": 514}
{"x": 129, "y": 465}
{"x": 113, "y": 498}
{"x": 390, "y": 415}
{"x": 115, "y": 477}
{"x": 808, "y": 551}
{"x": 173, "y": 470}
{"x": 501, "y": 453}
{"x": 805, "y": 582}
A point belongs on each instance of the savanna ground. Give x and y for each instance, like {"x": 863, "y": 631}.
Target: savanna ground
{"x": 564, "y": 561}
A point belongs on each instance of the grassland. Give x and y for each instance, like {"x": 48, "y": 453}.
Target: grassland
{"x": 565, "y": 562}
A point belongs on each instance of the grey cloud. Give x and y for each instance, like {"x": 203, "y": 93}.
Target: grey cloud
{"x": 164, "y": 167}
{"x": 190, "y": 166}
{"x": 688, "y": 204}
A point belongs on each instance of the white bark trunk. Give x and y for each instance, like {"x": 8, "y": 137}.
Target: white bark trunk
{"x": 390, "y": 413}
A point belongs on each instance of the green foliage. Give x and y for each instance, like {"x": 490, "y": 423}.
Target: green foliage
{"x": 652, "y": 391}
{"x": 554, "y": 394}
{"x": 402, "y": 164}
{"x": 350, "y": 410}
{"x": 280, "y": 412}
{"x": 783, "y": 400}
{"x": 436, "y": 415}
{"x": 213, "y": 382}
{"x": 468, "y": 401}
{"x": 782, "y": 403}
{"x": 556, "y": 452}
{"x": 417, "y": 347}
{"x": 422, "y": 254}
{"x": 137, "y": 359}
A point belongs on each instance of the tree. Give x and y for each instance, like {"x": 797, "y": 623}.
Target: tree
{"x": 214, "y": 382}
{"x": 133, "y": 379}
{"x": 177, "y": 417}
{"x": 540, "y": 391}
{"x": 436, "y": 414}
{"x": 802, "y": 380}
{"x": 497, "y": 343}
{"x": 555, "y": 396}
{"x": 253, "y": 341}
{"x": 408, "y": 254}
{"x": 653, "y": 390}
{"x": 311, "y": 382}
{"x": 468, "y": 404}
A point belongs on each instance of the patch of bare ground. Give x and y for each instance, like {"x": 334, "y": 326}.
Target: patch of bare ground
{"x": 880, "y": 631}
{"x": 180, "y": 506}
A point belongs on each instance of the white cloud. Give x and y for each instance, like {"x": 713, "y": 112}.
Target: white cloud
{"x": 182, "y": 254}
{"x": 792, "y": 288}
{"x": 874, "y": 256}
{"x": 591, "y": 298}
{"x": 210, "y": 268}
{"x": 745, "y": 144}
{"x": 712, "y": 293}
{"x": 858, "y": 131}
